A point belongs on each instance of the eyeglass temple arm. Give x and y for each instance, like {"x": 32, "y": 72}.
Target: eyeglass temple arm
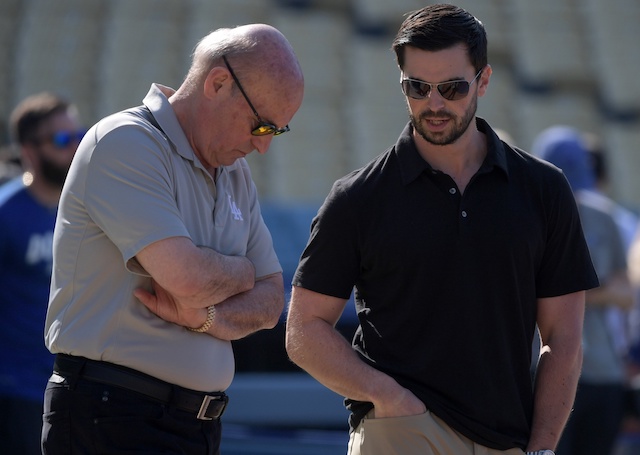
{"x": 235, "y": 79}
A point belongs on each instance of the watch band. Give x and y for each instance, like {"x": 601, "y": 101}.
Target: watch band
{"x": 541, "y": 452}
{"x": 211, "y": 314}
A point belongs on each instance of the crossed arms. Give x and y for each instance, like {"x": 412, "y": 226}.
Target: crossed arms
{"x": 187, "y": 279}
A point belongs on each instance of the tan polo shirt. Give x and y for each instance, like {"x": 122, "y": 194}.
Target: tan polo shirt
{"x": 127, "y": 188}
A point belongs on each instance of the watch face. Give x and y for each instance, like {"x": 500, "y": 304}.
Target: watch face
{"x": 546, "y": 452}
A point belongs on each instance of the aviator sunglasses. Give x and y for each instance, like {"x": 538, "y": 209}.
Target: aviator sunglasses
{"x": 263, "y": 128}
{"x": 452, "y": 90}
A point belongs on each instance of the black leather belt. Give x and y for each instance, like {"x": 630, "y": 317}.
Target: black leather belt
{"x": 205, "y": 406}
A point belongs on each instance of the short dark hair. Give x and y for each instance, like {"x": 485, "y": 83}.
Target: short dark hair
{"x": 27, "y": 116}
{"x": 438, "y": 27}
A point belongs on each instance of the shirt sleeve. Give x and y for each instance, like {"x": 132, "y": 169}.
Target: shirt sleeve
{"x": 129, "y": 190}
{"x": 330, "y": 263}
{"x": 566, "y": 265}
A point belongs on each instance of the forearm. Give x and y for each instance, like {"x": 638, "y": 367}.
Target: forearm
{"x": 315, "y": 345}
{"x": 196, "y": 276}
{"x": 555, "y": 387}
{"x": 326, "y": 355}
{"x": 250, "y": 311}
{"x": 221, "y": 277}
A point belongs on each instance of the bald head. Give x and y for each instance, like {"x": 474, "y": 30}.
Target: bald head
{"x": 222, "y": 100}
{"x": 257, "y": 50}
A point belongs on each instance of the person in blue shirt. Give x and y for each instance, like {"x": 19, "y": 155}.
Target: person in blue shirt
{"x": 47, "y": 131}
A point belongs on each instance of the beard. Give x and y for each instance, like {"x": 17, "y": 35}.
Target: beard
{"x": 53, "y": 173}
{"x": 460, "y": 124}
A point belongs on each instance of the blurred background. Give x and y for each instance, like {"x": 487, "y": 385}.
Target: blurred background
{"x": 554, "y": 61}
{"x": 571, "y": 62}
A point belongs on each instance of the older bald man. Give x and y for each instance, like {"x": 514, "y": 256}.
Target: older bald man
{"x": 161, "y": 256}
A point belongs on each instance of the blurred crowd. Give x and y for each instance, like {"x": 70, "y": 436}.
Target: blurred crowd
{"x": 604, "y": 401}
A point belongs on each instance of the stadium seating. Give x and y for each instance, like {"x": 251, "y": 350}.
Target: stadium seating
{"x": 57, "y": 47}
{"x": 566, "y": 61}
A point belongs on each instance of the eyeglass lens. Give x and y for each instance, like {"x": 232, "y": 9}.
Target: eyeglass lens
{"x": 62, "y": 139}
{"x": 449, "y": 90}
{"x": 264, "y": 128}
{"x": 452, "y": 91}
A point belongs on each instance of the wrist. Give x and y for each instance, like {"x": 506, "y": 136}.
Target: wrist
{"x": 211, "y": 314}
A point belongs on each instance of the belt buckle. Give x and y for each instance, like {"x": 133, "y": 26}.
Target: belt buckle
{"x": 204, "y": 407}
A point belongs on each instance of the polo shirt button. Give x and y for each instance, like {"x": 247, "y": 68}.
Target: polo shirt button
{"x": 464, "y": 214}
{"x": 452, "y": 190}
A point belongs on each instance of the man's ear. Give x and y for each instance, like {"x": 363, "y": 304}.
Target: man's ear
{"x": 483, "y": 82}
{"x": 217, "y": 80}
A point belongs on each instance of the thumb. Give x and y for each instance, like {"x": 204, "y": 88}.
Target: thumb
{"x": 147, "y": 298}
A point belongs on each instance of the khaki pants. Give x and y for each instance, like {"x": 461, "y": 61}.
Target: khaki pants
{"x": 423, "y": 434}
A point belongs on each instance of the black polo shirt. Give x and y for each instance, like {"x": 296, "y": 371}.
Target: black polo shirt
{"x": 446, "y": 284}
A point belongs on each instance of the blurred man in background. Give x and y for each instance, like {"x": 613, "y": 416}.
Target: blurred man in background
{"x": 47, "y": 131}
{"x": 626, "y": 219}
{"x": 599, "y": 406}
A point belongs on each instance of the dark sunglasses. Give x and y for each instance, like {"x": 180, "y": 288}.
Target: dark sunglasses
{"x": 452, "y": 90}
{"x": 63, "y": 139}
{"x": 263, "y": 128}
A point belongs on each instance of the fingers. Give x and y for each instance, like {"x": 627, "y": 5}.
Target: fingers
{"x": 148, "y": 299}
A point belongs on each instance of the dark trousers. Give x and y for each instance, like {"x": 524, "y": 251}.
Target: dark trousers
{"x": 595, "y": 421}
{"x": 84, "y": 417}
{"x": 20, "y": 426}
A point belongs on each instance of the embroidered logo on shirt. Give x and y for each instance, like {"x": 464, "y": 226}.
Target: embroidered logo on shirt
{"x": 235, "y": 211}
{"x": 40, "y": 249}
